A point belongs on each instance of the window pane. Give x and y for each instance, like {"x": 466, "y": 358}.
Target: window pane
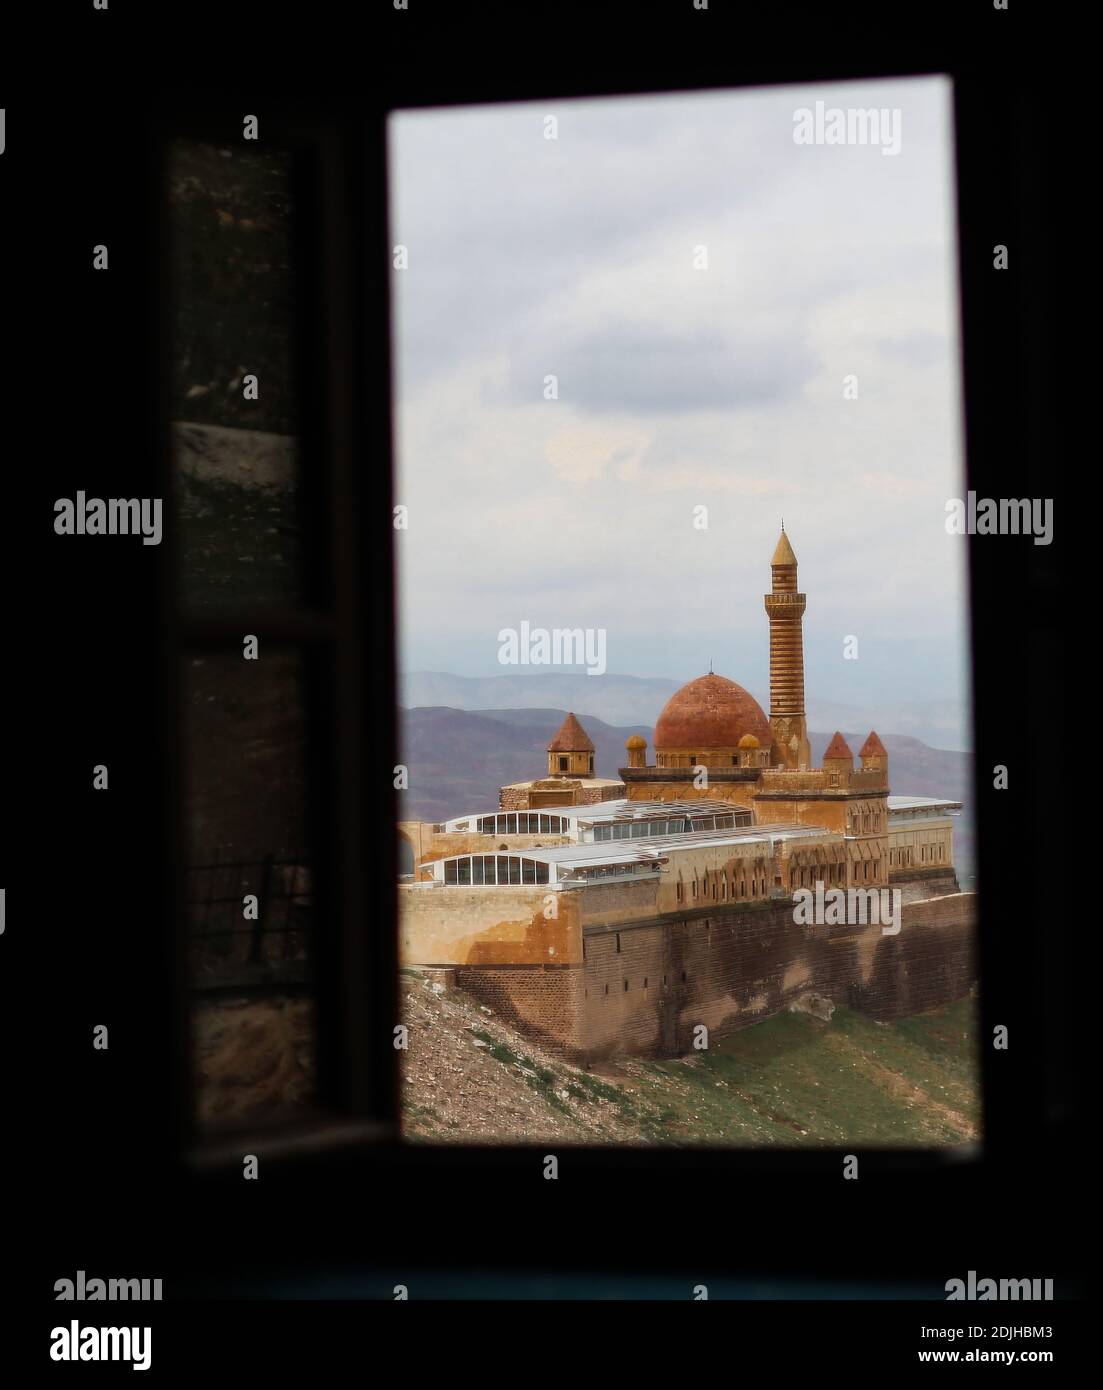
{"x": 234, "y": 439}
{"x": 251, "y": 909}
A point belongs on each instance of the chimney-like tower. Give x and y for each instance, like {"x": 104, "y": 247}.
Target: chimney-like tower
{"x": 785, "y": 610}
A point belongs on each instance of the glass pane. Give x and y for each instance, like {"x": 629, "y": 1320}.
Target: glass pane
{"x": 249, "y": 886}
{"x": 234, "y": 408}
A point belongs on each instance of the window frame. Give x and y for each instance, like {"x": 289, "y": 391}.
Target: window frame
{"x": 356, "y": 1057}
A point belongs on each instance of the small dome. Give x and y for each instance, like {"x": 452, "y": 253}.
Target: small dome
{"x": 634, "y": 742}
{"x": 748, "y": 741}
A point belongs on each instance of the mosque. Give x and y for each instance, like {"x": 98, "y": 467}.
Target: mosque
{"x": 617, "y": 914}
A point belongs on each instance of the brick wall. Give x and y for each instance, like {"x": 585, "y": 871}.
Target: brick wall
{"x": 542, "y": 1001}
{"x": 644, "y": 989}
{"x": 932, "y": 962}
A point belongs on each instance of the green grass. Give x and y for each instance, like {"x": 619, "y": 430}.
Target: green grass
{"x": 540, "y": 1079}
{"x": 792, "y": 1080}
{"x": 796, "y": 1080}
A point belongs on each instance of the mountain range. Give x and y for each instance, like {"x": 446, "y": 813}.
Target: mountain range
{"x": 630, "y": 700}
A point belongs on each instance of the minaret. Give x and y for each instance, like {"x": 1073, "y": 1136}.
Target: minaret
{"x": 785, "y": 609}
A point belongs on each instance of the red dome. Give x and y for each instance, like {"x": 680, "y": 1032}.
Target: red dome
{"x": 711, "y": 712}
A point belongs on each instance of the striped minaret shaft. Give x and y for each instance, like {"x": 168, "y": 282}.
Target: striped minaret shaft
{"x": 785, "y": 610}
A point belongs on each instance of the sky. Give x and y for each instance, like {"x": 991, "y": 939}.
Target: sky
{"x": 681, "y": 387}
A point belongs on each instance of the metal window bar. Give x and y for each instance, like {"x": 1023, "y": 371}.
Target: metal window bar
{"x": 229, "y": 950}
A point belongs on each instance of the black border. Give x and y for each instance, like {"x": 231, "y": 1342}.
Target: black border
{"x": 83, "y": 166}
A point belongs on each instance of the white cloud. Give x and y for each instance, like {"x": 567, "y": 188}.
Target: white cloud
{"x": 678, "y": 387}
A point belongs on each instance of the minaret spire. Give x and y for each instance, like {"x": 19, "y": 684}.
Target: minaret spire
{"x": 785, "y": 610}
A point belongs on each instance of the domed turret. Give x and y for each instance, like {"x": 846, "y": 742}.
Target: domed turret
{"x": 571, "y": 751}
{"x": 636, "y": 747}
{"x": 704, "y": 722}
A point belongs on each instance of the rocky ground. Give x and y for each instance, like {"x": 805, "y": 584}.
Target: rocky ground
{"x": 795, "y": 1079}
{"x": 468, "y": 1077}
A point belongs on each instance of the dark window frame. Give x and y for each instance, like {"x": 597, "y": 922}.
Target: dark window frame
{"x": 361, "y": 1089}
{"x": 343, "y": 626}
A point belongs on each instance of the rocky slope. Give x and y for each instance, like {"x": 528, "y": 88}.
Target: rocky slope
{"x": 793, "y": 1080}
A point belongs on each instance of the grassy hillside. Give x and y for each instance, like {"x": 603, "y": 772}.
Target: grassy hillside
{"x": 792, "y": 1080}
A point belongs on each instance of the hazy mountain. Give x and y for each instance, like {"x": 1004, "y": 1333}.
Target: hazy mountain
{"x": 630, "y": 700}
{"x": 459, "y": 758}
{"x": 616, "y": 699}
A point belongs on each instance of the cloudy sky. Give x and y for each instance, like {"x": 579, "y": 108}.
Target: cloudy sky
{"x": 681, "y": 387}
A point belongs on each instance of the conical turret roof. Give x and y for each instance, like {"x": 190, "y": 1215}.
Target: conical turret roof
{"x": 571, "y": 738}
{"x": 783, "y": 553}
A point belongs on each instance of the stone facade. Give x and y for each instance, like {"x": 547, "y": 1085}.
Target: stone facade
{"x": 645, "y": 987}
{"x": 634, "y": 954}
{"x": 558, "y": 791}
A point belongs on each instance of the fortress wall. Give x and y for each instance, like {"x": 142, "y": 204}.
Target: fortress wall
{"x": 618, "y": 900}
{"x": 739, "y": 793}
{"x": 727, "y": 971}
{"x": 931, "y": 963}
{"x": 492, "y": 926}
{"x": 542, "y": 1001}
{"x": 644, "y": 989}
{"x": 919, "y": 884}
